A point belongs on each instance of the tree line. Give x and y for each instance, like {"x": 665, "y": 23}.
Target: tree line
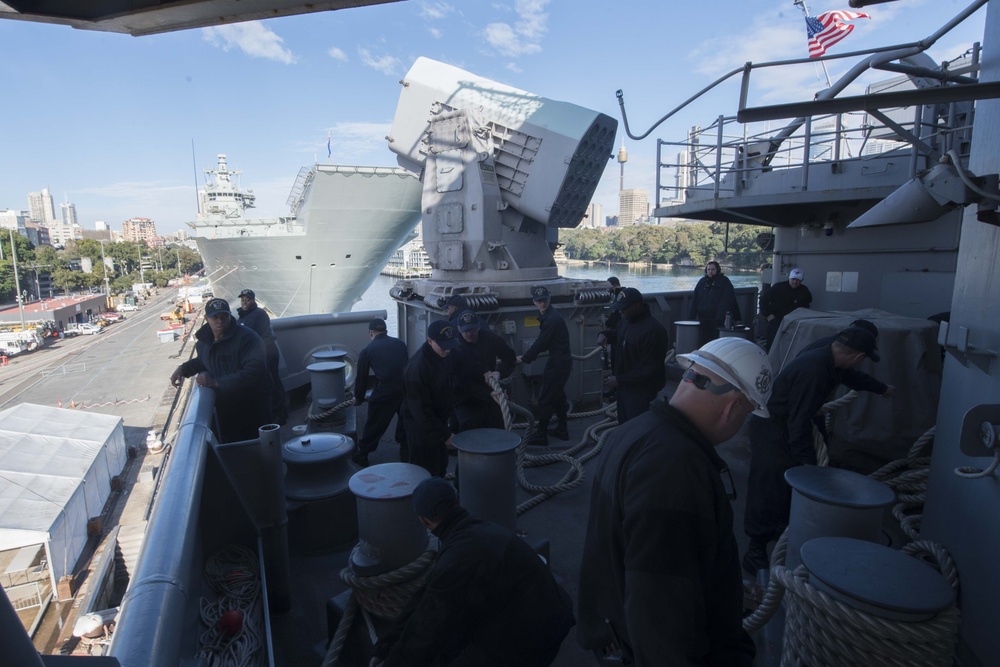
{"x": 686, "y": 244}
{"x": 64, "y": 266}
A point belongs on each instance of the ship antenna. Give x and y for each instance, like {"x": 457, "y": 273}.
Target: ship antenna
{"x": 194, "y": 166}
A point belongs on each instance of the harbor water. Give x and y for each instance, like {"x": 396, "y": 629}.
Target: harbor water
{"x": 646, "y": 280}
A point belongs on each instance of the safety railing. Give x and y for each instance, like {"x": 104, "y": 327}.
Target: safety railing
{"x": 721, "y": 160}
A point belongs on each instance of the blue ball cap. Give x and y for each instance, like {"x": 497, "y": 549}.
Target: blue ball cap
{"x": 859, "y": 340}
{"x": 467, "y": 321}
{"x": 430, "y": 493}
{"x": 629, "y": 297}
{"x": 216, "y": 306}
{"x": 539, "y": 293}
{"x": 442, "y": 333}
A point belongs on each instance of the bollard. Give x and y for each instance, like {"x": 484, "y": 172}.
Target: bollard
{"x": 330, "y": 355}
{"x": 866, "y": 604}
{"x": 487, "y": 461}
{"x": 389, "y": 533}
{"x": 828, "y": 502}
{"x": 274, "y": 529}
{"x": 328, "y": 380}
{"x": 688, "y": 335}
{"x": 322, "y": 513}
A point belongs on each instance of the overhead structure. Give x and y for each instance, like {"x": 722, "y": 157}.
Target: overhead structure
{"x": 149, "y": 17}
{"x": 57, "y": 467}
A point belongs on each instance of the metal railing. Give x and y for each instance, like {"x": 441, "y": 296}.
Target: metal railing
{"x": 152, "y": 622}
{"x": 722, "y": 159}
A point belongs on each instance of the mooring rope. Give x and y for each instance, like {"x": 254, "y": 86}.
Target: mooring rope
{"x": 382, "y": 595}
{"x": 820, "y": 630}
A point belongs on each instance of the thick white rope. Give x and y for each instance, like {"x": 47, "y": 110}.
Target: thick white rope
{"x": 383, "y": 596}
{"x": 233, "y": 641}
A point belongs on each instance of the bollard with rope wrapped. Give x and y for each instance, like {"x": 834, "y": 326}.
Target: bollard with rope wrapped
{"x": 823, "y": 630}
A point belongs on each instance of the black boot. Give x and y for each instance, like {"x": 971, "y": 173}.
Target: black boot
{"x": 360, "y": 458}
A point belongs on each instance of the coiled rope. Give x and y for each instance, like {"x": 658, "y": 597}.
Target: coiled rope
{"x": 232, "y": 573}
{"x": 820, "y": 630}
{"x": 382, "y": 595}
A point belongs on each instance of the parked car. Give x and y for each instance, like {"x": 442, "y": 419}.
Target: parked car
{"x": 112, "y": 317}
{"x": 127, "y": 308}
{"x": 90, "y": 329}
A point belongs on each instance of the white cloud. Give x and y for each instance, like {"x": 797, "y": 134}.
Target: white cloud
{"x": 435, "y": 10}
{"x": 435, "y": 33}
{"x": 337, "y": 54}
{"x": 513, "y": 67}
{"x": 524, "y": 37}
{"x": 252, "y": 38}
{"x": 386, "y": 64}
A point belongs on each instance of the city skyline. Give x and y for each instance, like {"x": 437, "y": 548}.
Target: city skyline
{"x": 269, "y": 94}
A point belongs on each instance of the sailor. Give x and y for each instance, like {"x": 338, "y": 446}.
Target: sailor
{"x": 714, "y": 300}
{"x": 481, "y": 353}
{"x": 489, "y": 601}
{"x": 553, "y": 338}
{"x": 232, "y": 361}
{"x": 781, "y": 299}
{"x": 455, "y": 305}
{"x": 427, "y": 402}
{"x": 785, "y": 438}
{"x": 660, "y": 580}
{"x": 384, "y": 357}
{"x": 255, "y": 317}
{"x": 640, "y": 346}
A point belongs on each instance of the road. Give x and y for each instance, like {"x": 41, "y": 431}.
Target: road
{"x": 123, "y": 371}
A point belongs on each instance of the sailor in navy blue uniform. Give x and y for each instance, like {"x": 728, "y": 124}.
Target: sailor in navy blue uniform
{"x": 384, "y": 357}
{"x": 714, "y": 298}
{"x": 784, "y": 439}
{"x": 640, "y": 346}
{"x": 781, "y": 299}
{"x": 490, "y": 601}
{"x": 253, "y": 316}
{"x": 481, "y": 352}
{"x": 428, "y": 399}
{"x": 553, "y": 337}
{"x": 231, "y": 361}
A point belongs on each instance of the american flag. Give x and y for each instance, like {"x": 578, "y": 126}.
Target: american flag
{"x": 829, "y": 28}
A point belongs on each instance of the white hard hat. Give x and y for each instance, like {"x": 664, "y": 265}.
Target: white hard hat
{"x": 739, "y": 362}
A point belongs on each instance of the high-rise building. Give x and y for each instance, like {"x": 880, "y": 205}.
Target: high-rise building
{"x": 633, "y": 207}
{"x": 68, "y": 213}
{"x": 595, "y": 216}
{"x": 40, "y": 207}
{"x": 101, "y": 226}
{"x": 139, "y": 229}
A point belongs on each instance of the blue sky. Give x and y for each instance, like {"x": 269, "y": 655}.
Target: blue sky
{"x": 106, "y": 121}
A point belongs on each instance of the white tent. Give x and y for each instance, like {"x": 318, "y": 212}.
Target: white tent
{"x": 56, "y": 467}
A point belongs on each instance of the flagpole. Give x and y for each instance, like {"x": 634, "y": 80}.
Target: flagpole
{"x": 801, "y": 4}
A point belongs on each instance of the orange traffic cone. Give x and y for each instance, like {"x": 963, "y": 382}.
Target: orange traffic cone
{"x": 72, "y": 403}
{"x": 60, "y": 402}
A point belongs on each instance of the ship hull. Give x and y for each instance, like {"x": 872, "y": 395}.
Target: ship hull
{"x": 353, "y": 220}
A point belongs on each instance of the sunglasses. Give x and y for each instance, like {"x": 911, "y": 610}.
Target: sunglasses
{"x": 705, "y": 382}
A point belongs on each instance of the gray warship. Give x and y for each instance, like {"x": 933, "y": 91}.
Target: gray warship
{"x": 908, "y": 228}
